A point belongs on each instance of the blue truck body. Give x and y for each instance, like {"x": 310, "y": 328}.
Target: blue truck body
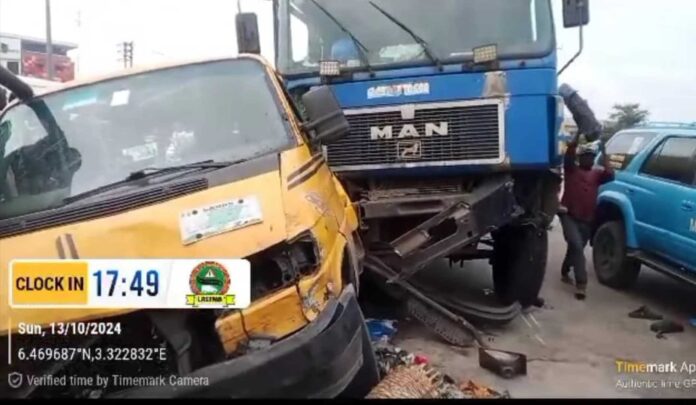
{"x": 455, "y": 118}
{"x": 533, "y": 109}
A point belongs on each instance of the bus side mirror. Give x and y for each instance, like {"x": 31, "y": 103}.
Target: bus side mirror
{"x": 326, "y": 121}
{"x": 248, "y": 33}
{"x": 576, "y": 13}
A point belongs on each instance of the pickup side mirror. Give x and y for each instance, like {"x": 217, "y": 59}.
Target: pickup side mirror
{"x": 326, "y": 121}
{"x": 576, "y": 13}
{"x": 248, "y": 33}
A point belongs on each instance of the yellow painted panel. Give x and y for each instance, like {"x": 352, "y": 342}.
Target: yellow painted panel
{"x": 277, "y": 316}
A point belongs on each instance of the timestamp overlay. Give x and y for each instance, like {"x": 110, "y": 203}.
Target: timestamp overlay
{"x": 82, "y": 328}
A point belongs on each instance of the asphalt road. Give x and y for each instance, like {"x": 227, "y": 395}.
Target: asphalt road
{"x": 572, "y": 346}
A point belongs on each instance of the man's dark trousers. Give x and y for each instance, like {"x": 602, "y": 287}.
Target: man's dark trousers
{"x": 577, "y": 234}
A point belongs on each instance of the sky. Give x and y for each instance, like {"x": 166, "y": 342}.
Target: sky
{"x": 635, "y": 50}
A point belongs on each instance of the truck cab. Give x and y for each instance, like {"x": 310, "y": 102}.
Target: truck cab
{"x": 454, "y": 113}
{"x": 465, "y": 112}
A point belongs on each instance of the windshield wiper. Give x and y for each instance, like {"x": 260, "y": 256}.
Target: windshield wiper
{"x": 149, "y": 171}
{"x": 362, "y": 50}
{"x": 421, "y": 41}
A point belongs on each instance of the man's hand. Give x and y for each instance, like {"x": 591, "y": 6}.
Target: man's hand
{"x": 606, "y": 164}
{"x": 574, "y": 140}
{"x": 569, "y": 158}
{"x": 603, "y": 152}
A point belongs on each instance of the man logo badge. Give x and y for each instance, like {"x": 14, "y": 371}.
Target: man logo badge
{"x": 408, "y": 150}
{"x": 409, "y": 131}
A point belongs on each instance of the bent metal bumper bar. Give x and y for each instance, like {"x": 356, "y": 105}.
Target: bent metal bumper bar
{"x": 489, "y": 206}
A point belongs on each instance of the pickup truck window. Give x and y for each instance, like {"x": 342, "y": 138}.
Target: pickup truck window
{"x": 673, "y": 160}
{"x": 623, "y": 147}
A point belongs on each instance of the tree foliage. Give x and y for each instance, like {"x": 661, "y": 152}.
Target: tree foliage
{"x": 625, "y": 116}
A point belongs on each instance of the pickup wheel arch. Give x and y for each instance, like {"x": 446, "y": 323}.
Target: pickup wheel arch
{"x": 615, "y": 207}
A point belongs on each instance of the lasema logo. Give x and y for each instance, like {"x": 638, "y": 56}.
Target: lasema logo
{"x": 409, "y": 131}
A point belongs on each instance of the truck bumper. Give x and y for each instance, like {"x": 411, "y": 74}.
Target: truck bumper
{"x": 461, "y": 220}
{"x": 319, "y": 361}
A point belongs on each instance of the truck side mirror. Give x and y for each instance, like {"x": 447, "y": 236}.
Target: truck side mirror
{"x": 326, "y": 121}
{"x": 576, "y": 13}
{"x": 18, "y": 88}
{"x": 248, "y": 33}
{"x": 3, "y": 99}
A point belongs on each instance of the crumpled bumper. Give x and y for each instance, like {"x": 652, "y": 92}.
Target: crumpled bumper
{"x": 319, "y": 361}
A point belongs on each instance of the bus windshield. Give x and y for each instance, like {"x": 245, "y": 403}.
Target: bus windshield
{"x": 380, "y": 33}
{"x": 79, "y": 139}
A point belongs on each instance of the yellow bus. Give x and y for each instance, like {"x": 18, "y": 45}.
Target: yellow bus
{"x": 113, "y": 168}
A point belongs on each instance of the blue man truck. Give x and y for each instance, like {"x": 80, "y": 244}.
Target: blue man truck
{"x": 455, "y": 117}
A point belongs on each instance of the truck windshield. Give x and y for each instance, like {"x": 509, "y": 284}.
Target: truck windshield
{"x": 315, "y": 30}
{"x": 83, "y": 138}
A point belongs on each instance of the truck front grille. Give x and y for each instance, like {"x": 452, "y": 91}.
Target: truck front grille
{"x": 434, "y": 134}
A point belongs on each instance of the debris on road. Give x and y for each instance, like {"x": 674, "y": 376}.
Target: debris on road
{"x": 409, "y": 375}
{"x": 474, "y": 390}
{"x": 645, "y": 313}
{"x": 381, "y": 329}
{"x": 408, "y": 382}
{"x": 504, "y": 363}
{"x": 406, "y": 378}
{"x": 666, "y": 326}
{"x": 390, "y": 357}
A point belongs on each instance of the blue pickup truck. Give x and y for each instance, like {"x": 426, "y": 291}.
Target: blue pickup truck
{"x": 647, "y": 216}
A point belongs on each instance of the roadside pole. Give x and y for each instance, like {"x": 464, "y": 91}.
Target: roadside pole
{"x": 49, "y": 42}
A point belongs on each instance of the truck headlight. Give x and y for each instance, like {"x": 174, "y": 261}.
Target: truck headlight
{"x": 485, "y": 54}
{"x": 330, "y": 68}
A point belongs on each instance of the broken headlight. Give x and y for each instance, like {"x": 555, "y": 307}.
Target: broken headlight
{"x": 283, "y": 265}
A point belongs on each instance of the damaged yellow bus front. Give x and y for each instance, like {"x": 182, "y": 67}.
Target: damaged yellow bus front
{"x": 117, "y": 168}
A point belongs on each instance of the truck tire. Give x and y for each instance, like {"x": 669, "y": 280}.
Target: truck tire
{"x": 612, "y": 266}
{"x": 519, "y": 264}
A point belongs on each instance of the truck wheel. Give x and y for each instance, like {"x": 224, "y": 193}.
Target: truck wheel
{"x": 519, "y": 264}
{"x": 611, "y": 265}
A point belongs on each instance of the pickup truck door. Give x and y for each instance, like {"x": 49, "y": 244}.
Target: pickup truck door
{"x": 666, "y": 181}
{"x": 684, "y": 234}
{"x": 647, "y": 194}
{"x": 622, "y": 149}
